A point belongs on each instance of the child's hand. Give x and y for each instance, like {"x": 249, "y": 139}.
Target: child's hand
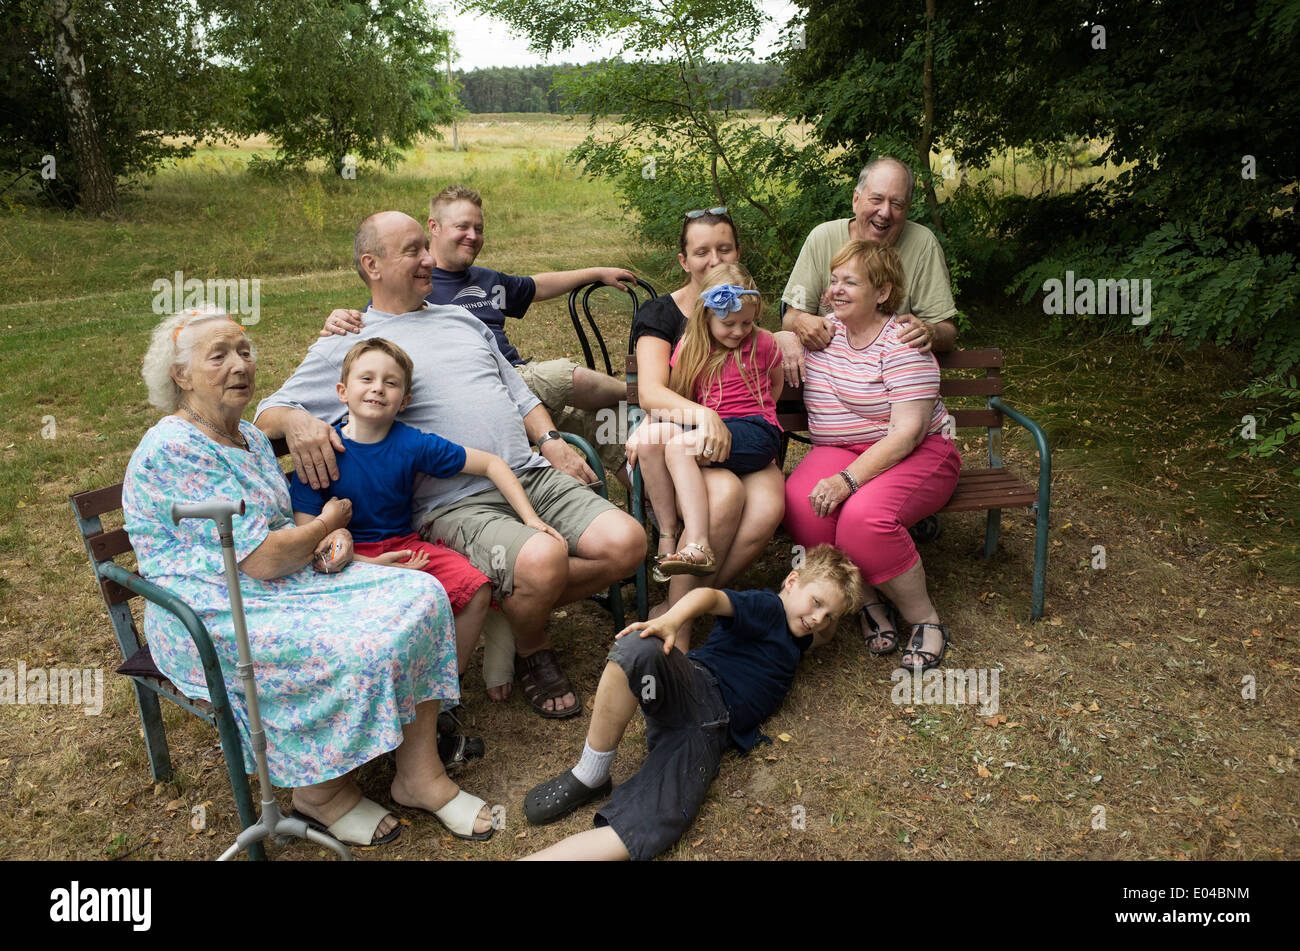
{"x": 653, "y": 628}
{"x": 405, "y": 558}
{"x": 537, "y": 525}
{"x": 336, "y": 513}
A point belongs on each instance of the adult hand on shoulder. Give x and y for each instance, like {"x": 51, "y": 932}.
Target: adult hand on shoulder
{"x": 814, "y": 333}
{"x": 792, "y": 357}
{"x": 827, "y": 495}
{"x": 568, "y": 460}
{"x": 915, "y": 332}
{"x": 342, "y": 322}
{"x": 312, "y": 445}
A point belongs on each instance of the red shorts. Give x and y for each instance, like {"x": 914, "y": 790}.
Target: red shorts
{"x": 451, "y": 568}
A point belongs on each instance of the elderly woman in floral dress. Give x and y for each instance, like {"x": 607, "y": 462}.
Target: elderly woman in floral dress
{"x": 349, "y": 665}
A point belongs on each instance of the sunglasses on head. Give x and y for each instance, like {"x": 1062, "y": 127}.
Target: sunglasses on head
{"x": 701, "y": 212}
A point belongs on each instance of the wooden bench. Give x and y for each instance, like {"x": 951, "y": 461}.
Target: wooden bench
{"x": 118, "y": 584}
{"x": 992, "y": 489}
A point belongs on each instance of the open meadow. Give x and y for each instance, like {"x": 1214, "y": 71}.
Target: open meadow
{"x": 1153, "y": 713}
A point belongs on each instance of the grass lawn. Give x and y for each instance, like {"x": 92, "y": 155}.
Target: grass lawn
{"x": 1152, "y": 714}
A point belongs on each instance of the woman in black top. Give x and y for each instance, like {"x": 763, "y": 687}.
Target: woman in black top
{"x": 744, "y": 511}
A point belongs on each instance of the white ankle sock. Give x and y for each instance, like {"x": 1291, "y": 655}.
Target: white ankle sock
{"x": 593, "y": 768}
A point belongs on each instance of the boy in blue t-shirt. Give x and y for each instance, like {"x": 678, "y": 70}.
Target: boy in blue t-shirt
{"x": 378, "y": 467}
{"x": 696, "y": 705}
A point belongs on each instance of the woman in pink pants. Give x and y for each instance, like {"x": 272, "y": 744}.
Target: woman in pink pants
{"x": 878, "y": 462}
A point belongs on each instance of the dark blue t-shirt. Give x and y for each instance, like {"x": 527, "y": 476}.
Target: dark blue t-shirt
{"x": 754, "y": 657}
{"x": 377, "y": 477}
{"x": 489, "y": 295}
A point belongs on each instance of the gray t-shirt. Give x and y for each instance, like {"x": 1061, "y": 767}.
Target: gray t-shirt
{"x": 463, "y": 390}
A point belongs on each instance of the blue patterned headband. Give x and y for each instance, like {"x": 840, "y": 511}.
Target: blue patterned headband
{"x": 724, "y": 299}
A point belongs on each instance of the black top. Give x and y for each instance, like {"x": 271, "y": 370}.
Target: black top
{"x": 659, "y": 317}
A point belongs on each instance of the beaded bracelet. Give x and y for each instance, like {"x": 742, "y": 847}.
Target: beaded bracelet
{"x": 850, "y": 481}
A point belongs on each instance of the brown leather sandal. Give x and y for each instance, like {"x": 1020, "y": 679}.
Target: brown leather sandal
{"x": 541, "y": 678}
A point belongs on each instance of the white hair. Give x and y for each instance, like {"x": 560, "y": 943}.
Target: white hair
{"x": 887, "y": 160}
{"x": 173, "y": 346}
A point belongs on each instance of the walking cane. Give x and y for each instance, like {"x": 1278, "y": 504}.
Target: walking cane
{"x": 271, "y": 822}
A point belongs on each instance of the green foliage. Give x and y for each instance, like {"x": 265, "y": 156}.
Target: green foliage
{"x": 671, "y": 90}
{"x": 532, "y": 88}
{"x": 336, "y": 79}
{"x": 1204, "y": 290}
{"x": 149, "y": 85}
{"x": 1277, "y": 400}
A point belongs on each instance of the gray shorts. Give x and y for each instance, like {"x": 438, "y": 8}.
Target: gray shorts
{"x": 686, "y": 732}
{"x": 486, "y": 529}
{"x": 552, "y": 382}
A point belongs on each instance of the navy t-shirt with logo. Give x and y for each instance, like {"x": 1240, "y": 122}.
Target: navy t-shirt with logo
{"x": 489, "y": 295}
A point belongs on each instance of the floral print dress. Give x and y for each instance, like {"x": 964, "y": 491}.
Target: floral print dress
{"x": 341, "y": 660}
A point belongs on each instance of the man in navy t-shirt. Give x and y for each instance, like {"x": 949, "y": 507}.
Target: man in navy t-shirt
{"x": 571, "y": 393}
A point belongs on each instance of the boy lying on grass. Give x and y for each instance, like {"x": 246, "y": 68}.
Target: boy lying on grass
{"x": 695, "y": 705}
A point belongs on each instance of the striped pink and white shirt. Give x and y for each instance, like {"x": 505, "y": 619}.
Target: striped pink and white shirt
{"x": 849, "y": 392}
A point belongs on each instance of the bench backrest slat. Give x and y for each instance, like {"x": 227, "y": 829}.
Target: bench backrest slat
{"x": 98, "y": 501}
{"x": 110, "y": 544}
{"x": 988, "y": 359}
{"x": 989, "y": 386}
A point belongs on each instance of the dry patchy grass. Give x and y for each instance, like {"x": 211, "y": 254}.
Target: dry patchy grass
{"x": 1129, "y": 696}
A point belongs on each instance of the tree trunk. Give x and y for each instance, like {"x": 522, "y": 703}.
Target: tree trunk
{"x": 927, "y": 125}
{"x": 98, "y": 186}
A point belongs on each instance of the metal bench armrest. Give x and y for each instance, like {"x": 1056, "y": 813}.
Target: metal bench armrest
{"x": 198, "y": 632}
{"x": 1040, "y": 438}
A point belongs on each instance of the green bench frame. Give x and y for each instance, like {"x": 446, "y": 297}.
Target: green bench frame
{"x": 991, "y": 489}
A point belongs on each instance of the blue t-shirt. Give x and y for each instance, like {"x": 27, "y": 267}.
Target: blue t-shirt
{"x": 754, "y": 656}
{"x": 489, "y": 295}
{"x": 377, "y": 478}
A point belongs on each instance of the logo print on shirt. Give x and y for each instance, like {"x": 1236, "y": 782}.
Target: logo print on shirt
{"x": 472, "y": 290}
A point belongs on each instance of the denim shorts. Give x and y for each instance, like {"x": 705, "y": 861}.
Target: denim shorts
{"x": 754, "y": 443}
{"x": 687, "y": 730}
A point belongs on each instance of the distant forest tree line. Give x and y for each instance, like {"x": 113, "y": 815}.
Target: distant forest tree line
{"x": 532, "y": 89}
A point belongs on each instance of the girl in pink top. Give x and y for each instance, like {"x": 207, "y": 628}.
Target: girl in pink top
{"x": 727, "y": 364}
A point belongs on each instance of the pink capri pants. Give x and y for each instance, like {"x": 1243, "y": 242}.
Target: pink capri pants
{"x": 871, "y": 525}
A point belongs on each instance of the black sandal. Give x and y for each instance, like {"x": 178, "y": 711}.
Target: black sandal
{"x": 541, "y": 678}
{"x": 891, "y": 635}
{"x": 929, "y": 659}
{"x": 556, "y": 798}
{"x": 457, "y": 751}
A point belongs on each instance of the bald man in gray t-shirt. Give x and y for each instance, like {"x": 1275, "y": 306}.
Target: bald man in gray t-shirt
{"x": 465, "y": 391}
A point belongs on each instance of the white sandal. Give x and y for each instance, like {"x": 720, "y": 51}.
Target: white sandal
{"x": 459, "y": 815}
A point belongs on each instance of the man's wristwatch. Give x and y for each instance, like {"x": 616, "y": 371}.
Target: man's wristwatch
{"x": 547, "y": 437}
